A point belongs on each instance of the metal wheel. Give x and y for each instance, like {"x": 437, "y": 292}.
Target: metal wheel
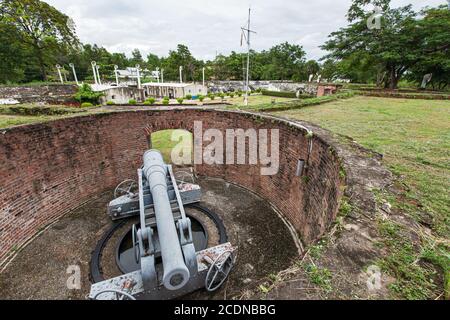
{"x": 127, "y": 187}
{"x": 137, "y": 253}
{"x": 120, "y": 295}
{"x": 219, "y": 271}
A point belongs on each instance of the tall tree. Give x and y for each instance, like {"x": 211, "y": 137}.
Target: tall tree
{"x": 435, "y": 28}
{"x": 395, "y": 48}
{"x": 40, "y": 26}
{"x": 181, "y": 57}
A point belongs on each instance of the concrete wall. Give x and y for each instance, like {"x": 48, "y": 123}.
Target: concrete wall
{"x": 56, "y": 93}
{"x": 175, "y": 91}
{"x": 51, "y": 168}
{"x": 122, "y": 95}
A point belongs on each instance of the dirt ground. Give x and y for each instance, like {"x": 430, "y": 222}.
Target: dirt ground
{"x": 40, "y": 271}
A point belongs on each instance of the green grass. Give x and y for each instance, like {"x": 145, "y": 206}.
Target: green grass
{"x": 264, "y": 103}
{"x": 414, "y": 137}
{"x": 256, "y": 100}
{"x": 162, "y": 141}
{"x": 11, "y": 120}
{"x": 13, "y": 115}
{"x": 319, "y": 276}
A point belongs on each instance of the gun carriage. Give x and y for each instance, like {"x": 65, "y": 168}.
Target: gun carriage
{"x": 164, "y": 233}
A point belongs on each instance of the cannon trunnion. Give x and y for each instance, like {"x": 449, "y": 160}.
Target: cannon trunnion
{"x": 164, "y": 230}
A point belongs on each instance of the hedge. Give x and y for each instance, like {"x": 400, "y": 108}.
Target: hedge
{"x": 31, "y": 110}
{"x": 282, "y": 94}
{"x": 412, "y": 95}
{"x": 297, "y": 104}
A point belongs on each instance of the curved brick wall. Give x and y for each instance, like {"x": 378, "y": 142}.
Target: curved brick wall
{"x": 49, "y": 169}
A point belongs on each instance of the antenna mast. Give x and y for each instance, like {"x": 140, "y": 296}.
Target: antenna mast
{"x": 248, "y": 31}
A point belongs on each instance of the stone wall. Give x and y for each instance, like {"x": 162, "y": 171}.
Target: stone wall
{"x": 225, "y": 86}
{"x": 51, "y": 168}
{"x": 53, "y": 94}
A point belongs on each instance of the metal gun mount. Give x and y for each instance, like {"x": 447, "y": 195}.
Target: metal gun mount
{"x": 164, "y": 230}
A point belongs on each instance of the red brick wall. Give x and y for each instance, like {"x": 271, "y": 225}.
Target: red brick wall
{"x": 48, "y": 169}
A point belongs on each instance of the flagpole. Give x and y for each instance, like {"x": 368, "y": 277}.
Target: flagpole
{"x": 248, "y": 60}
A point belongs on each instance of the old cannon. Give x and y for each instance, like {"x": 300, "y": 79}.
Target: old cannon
{"x": 164, "y": 233}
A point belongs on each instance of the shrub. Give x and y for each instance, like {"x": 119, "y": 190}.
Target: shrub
{"x": 239, "y": 94}
{"x": 232, "y": 95}
{"x": 222, "y": 95}
{"x": 180, "y": 100}
{"x": 201, "y": 98}
{"x": 211, "y": 96}
{"x": 86, "y": 94}
{"x": 165, "y": 101}
{"x": 132, "y": 101}
{"x": 86, "y": 105}
{"x": 189, "y": 97}
{"x": 110, "y": 103}
{"x": 150, "y": 101}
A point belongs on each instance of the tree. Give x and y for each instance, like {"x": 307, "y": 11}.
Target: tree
{"x": 40, "y": 26}
{"x": 394, "y": 49}
{"x": 435, "y": 28}
{"x": 12, "y": 55}
{"x": 136, "y": 58}
{"x": 312, "y": 67}
{"x": 286, "y": 62}
{"x": 181, "y": 57}
{"x": 153, "y": 61}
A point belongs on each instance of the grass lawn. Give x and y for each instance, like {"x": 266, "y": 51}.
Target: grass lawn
{"x": 13, "y": 115}
{"x": 164, "y": 142}
{"x": 255, "y": 100}
{"x": 14, "y": 120}
{"x": 414, "y": 137}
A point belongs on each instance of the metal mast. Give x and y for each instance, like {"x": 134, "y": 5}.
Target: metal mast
{"x": 248, "y": 31}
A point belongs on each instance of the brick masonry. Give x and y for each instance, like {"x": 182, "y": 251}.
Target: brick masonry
{"x": 48, "y": 169}
{"x": 55, "y": 93}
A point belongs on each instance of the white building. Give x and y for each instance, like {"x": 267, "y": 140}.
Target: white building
{"x": 173, "y": 90}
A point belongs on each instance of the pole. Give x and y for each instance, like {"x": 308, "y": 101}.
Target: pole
{"x": 248, "y": 60}
{"x": 181, "y": 74}
{"x": 203, "y": 74}
{"x": 98, "y": 75}
{"x": 162, "y": 75}
{"x": 58, "y": 67}
{"x": 74, "y": 73}
{"x": 94, "y": 69}
{"x": 138, "y": 76}
{"x": 116, "y": 67}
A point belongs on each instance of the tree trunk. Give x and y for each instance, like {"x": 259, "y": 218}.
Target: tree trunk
{"x": 394, "y": 78}
{"x": 41, "y": 63}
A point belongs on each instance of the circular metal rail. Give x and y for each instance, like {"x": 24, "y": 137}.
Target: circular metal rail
{"x": 95, "y": 269}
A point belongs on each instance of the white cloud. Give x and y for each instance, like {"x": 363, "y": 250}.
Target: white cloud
{"x": 207, "y": 26}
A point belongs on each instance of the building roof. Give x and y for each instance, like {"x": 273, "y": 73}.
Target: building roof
{"x": 168, "y": 84}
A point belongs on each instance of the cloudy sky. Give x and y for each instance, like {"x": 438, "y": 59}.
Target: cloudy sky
{"x": 208, "y": 27}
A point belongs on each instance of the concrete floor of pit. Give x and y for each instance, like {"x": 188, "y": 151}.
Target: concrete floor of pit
{"x": 265, "y": 246}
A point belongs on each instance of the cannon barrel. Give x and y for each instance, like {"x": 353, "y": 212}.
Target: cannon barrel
{"x": 176, "y": 274}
